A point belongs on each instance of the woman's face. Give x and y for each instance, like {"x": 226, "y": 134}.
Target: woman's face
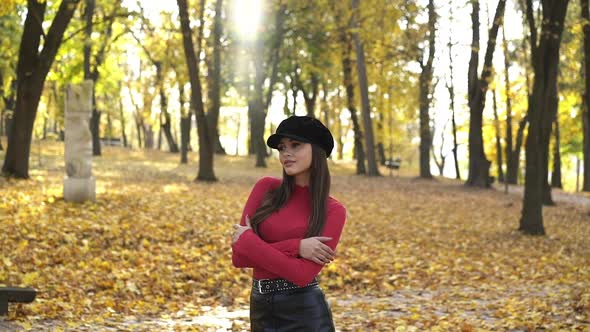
{"x": 295, "y": 156}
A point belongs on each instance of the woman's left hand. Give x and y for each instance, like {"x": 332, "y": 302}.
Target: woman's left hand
{"x": 239, "y": 229}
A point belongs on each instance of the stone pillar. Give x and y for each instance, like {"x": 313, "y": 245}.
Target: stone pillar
{"x": 79, "y": 185}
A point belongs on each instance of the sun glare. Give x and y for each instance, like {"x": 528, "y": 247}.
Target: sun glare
{"x": 246, "y": 17}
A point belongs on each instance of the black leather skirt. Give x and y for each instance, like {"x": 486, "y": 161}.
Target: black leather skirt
{"x": 304, "y": 309}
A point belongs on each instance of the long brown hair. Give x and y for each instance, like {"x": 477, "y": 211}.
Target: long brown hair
{"x": 319, "y": 187}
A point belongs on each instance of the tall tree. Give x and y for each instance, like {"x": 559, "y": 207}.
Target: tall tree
{"x": 206, "y": 171}
{"x": 556, "y": 174}
{"x": 92, "y": 63}
{"x": 541, "y": 112}
{"x": 364, "y": 89}
{"x": 479, "y": 166}
{"x": 265, "y": 69}
{"x": 586, "y": 108}
{"x": 511, "y": 158}
{"x": 345, "y": 40}
{"x": 451, "y": 88}
{"x": 499, "y": 159}
{"x": 215, "y": 79}
{"x": 33, "y": 65}
{"x": 426, "y": 95}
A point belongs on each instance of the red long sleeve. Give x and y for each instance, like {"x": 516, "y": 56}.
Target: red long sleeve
{"x": 289, "y": 247}
{"x": 273, "y": 254}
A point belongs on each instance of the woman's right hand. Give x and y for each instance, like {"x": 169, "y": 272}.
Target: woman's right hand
{"x": 315, "y": 250}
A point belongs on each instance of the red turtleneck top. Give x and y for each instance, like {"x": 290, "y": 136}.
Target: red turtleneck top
{"x": 274, "y": 254}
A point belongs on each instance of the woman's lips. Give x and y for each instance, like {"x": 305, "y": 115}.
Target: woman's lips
{"x": 288, "y": 163}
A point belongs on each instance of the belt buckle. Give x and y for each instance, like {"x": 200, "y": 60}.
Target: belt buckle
{"x": 260, "y": 285}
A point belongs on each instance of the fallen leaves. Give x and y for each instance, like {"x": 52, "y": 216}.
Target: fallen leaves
{"x": 414, "y": 256}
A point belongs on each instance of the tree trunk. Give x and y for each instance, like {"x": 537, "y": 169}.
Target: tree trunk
{"x": 499, "y": 160}
{"x": 556, "y": 174}
{"x": 511, "y": 163}
{"x": 31, "y": 72}
{"x": 95, "y": 118}
{"x": 2, "y": 111}
{"x": 160, "y": 132}
{"x": 364, "y": 89}
{"x": 309, "y": 97}
{"x": 206, "y": 172}
{"x": 259, "y": 103}
{"x": 185, "y": 126}
{"x": 347, "y": 76}
{"x": 454, "y": 123}
{"x": 512, "y": 171}
{"x": 381, "y": 151}
{"x": 10, "y": 104}
{"x": 257, "y": 107}
{"x": 451, "y": 88}
{"x": 479, "y": 166}
{"x": 122, "y": 117}
{"x": 586, "y": 96}
{"x": 165, "y": 123}
{"x": 215, "y": 81}
{"x": 425, "y": 96}
{"x": 138, "y": 128}
{"x": 93, "y": 73}
{"x": 545, "y": 65}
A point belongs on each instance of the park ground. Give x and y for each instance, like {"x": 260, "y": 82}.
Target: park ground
{"x": 153, "y": 252}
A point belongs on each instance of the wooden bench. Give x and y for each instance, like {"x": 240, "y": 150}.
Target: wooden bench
{"x": 15, "y": 294}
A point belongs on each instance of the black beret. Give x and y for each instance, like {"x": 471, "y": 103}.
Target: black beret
{"x": 305, "y": 129}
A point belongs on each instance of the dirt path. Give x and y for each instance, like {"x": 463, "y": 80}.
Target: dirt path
{"x": 559, "y": 196}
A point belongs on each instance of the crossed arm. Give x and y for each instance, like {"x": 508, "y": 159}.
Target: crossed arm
{"x": 282, "y": 258}
{"x": 278, "y": 258}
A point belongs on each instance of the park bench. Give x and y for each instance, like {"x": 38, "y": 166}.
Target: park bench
{"x": 114, "y": 141}
{"x": 393, "y": 163}
{"x": 15, "y": 294}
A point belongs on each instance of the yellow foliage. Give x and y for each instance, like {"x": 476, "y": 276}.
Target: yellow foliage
{"x": 415, "y": 255}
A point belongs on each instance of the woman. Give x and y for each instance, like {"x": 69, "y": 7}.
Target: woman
{"x": 289, "y": 231}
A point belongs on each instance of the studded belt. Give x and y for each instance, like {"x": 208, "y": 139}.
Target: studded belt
{"x": 265, "y": 286}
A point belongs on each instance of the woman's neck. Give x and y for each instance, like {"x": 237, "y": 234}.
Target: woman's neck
{"x": 302, "y": 179}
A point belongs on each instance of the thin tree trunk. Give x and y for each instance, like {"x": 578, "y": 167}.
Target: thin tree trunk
{"x": 511, "y": 163}
{"x": 451, "y": 88}
{"x": 586, "y": 96}
{"x": 257, "y": 106}
{"x": 364, "y": 89}
{"x": 425, "y": 99}
{"x": 122, "y": 117}
{"x": 32, "y": 69}
{"x": 556, "y": 174}
{"x": 165, "y": 120}
{"x": 499, "y": 159}
{"x": 2, "y": 111}
{"x": 479, "y": 166}
{"x": 92, "y": 73}
{"x": 540, "y": 114}
{"x": 309, "y": 97}
{"x": 347, "y": 76}
{"x": 215, "y": 81}
{"x": 185, "y": 126}
{"x": 206, "y": 171}
{"x": 260, "y": 103}
{"x": 95, "y": 119}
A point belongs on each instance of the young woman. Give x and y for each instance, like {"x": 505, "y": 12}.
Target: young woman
{"x": 289, "y": 231}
